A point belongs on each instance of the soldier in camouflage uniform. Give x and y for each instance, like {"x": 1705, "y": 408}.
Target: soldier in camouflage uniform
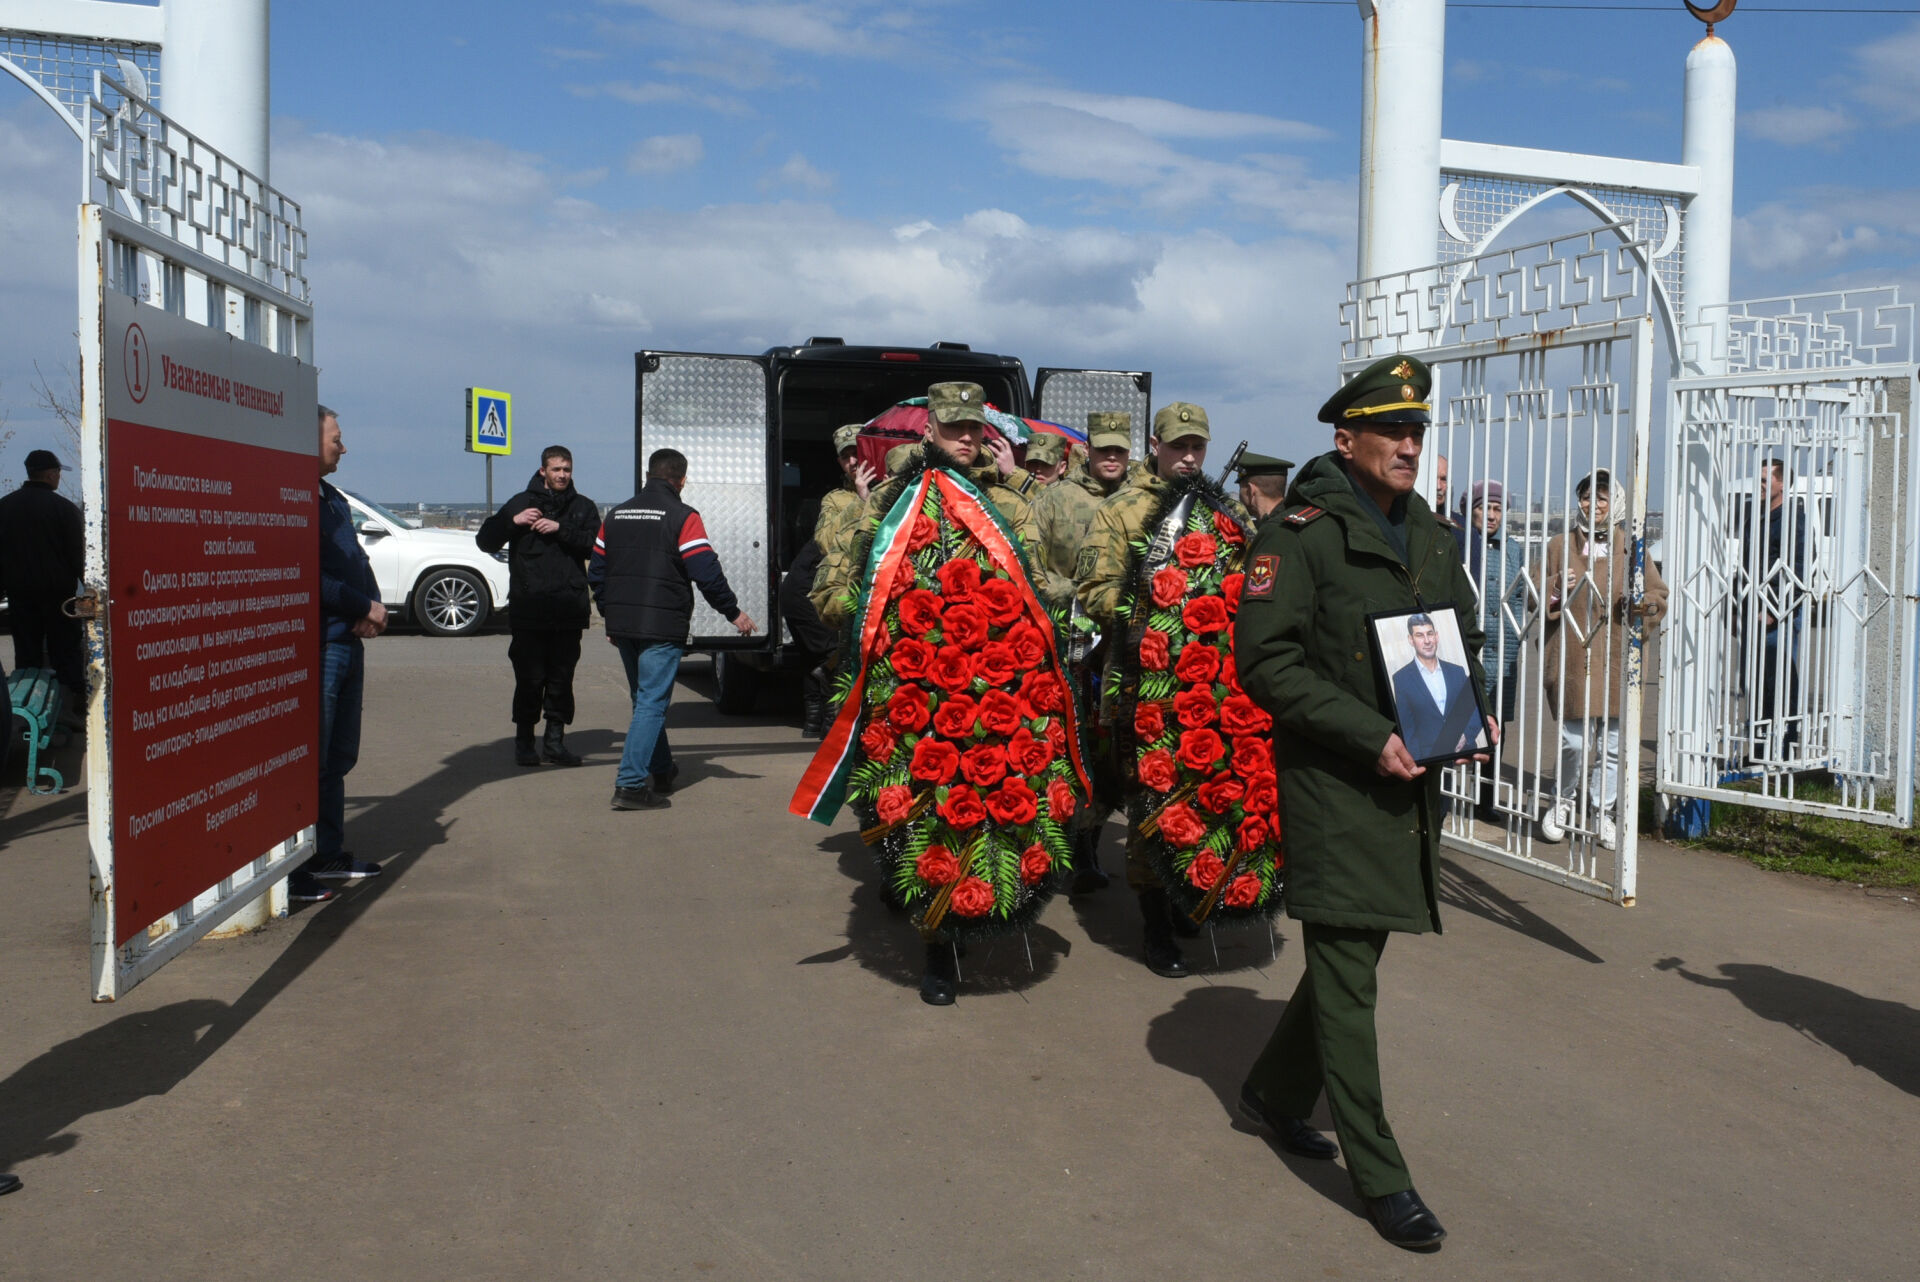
{"x": 1063, "y": 514}
{"x": 1178, "y": 449}
{"x": 956, "y": 428}
{"x": 838, "y": 504}
{"x": 1046, "y": 462}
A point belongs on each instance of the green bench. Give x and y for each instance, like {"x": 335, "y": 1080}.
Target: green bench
{"x": 36, "y": 697}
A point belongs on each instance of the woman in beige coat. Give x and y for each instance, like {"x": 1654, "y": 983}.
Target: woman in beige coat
{"x": 1587, "y": 631}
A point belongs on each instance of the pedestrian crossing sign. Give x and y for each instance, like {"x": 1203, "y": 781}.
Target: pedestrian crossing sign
{"x": 489, "y": 421}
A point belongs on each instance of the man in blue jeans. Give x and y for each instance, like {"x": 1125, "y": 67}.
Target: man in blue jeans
{"x": 350, "y": 612}
{"x": 651, "y": 552}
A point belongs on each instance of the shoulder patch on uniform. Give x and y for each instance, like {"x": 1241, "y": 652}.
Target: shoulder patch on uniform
{"x": 1260, "y": 577}
{"x": 1304, "y": 515}
{"x": 1083, "y": 566}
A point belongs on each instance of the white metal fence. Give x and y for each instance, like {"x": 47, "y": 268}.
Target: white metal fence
{"x": 1792, "y": 531}
{"x": 1542, "y": 359}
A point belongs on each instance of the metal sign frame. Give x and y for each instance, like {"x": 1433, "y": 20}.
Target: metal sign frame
{"x": 203, "y": 239}
{"x": 1542, "y": 357}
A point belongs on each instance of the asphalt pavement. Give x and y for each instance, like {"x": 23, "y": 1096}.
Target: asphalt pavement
{"x": 556, "y": 1041}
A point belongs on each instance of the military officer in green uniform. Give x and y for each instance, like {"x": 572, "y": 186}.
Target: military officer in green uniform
{"x": 1263, "y": 483}
{"x": 1178, "y": 449}
{"x": 1362, "y": 818}
{"x": 1046, "y": 461}
{"x": 956, "y": 431}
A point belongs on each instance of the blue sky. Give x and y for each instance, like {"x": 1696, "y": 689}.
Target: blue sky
{"x": 522, "y": 194}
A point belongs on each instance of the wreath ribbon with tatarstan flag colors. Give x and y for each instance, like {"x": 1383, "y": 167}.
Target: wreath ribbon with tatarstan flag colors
{"x": 954, "y": 739}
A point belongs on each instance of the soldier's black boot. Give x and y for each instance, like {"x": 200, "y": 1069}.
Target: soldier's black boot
{"x": 1088, "y": 876}
{"x": 1161, "y": 954}
{"x": 524, "y": 753}
{"x": 555, "y": 749}
{"x": 936, "y": 986}
{"x": 814, "y": 694}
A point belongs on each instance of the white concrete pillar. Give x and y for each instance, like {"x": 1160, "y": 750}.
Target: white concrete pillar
{"x": 1402, "y": 73}
{"x": 213, "y": 75}
{"x": 1707, "y": 141}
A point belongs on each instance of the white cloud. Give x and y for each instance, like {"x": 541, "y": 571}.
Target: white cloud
{"x": 1796, "y": 126}
{"x": 798, "y": 172}
{"x": 1824, "y": 230}
{"x": 839, "y": 29}
{"x": 1889, "y": 76}
{"x": 1161, "y": 118}
{"x": 653, "y": 92}
{"x": 665, "y": 153}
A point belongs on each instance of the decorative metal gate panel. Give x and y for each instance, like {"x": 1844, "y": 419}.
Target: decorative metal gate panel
{"x": 1542, "y": 359}
{"x": 713, "y": 409}
{"x": 1789, "y": 679}
{"x": 1067, "y": 396}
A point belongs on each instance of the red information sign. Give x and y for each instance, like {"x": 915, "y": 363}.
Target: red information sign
{"x": 213, "y": 628}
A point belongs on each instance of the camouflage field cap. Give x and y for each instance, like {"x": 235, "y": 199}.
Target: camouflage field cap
{"x": 1181, "y": 419}
{"x": 1391, "y": 390}
{"x": 1252, "y": 465}
{"x": 1046, "y": 449}
{"x": 1107, "y": 428}
{"x": 897, "y": 458}
{"x": 845, "y": 438}
{"x": 957, "y": 403}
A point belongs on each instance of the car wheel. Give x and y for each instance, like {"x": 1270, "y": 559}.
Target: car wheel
{"x": 738, "y": 682}
{"x": 450, "y": 602}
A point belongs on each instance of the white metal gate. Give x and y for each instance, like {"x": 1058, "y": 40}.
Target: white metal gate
{"x": 1542, "y": 359}
{"x": 1789, "y": 679}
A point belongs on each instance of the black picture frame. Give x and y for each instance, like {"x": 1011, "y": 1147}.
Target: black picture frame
{"x": 1433, "y": 735}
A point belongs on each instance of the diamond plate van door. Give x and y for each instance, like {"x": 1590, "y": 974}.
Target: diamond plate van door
{"x": 1067, "y": 396}
{"x": 713, "y": 409}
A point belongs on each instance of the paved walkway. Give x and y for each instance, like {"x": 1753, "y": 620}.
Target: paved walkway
{"x": 555, "y": 1041}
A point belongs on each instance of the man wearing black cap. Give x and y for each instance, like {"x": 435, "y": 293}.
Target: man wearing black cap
{"x": 42, "y": 555}
{"x": 1263, "y": 483}
{"x": 1362, "y": 817}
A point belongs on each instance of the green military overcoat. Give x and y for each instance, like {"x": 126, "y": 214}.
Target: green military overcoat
{"x": 1360, "y": 847}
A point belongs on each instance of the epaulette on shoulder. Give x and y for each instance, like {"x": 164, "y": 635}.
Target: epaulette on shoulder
{"x": 1304, "y": 515}
{"x": 1446, "y": 522}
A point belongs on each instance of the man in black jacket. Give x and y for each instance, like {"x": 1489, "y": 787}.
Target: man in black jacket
{"x": 652, "y": 549}
{"x": 548, "y": 531}
{"x": 42, "y": 554}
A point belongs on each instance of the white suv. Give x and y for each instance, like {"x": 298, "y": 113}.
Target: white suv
{"x": 438, "y": 578}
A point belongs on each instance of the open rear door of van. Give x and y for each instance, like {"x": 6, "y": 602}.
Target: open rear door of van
{"x": 715, "y": 410}
{"x": 1067, "y": 396}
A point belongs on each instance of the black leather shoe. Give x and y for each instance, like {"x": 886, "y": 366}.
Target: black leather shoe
{"x": 524, "y": 753}
{"x": 936, "y": 986}
{"x": 1158, "y": 950}
{"x": 1292, "y": 1133}
{"x": 8, "y": 1183}
{"x": 1404, "y": 1220}
{"x": 638, "y": 799}
{"x": 554, "y": 746}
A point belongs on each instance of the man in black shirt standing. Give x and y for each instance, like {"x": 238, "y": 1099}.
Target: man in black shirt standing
{"x": 548, "y": 531}
{"x": 651, "y": 551}
{"x": 42, "y": 555}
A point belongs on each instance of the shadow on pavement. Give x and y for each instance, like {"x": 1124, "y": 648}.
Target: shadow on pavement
{"x": 1880, "y": 1036}
{"x": 69, "y": 810}
{"x": 1214, "y": 1033}
{"x": 883, "y": 941}
{"x": 150, "y": 1052}
{"x": 1461, "y": 889}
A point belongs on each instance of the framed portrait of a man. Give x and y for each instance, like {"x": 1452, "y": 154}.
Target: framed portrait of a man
{"x": 1436, "y": 701}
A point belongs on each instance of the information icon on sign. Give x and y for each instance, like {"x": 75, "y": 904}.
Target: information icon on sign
{"x": 489, "y": 421}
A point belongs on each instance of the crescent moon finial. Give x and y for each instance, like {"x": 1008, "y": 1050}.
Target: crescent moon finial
{"x": 1720, "y": 12}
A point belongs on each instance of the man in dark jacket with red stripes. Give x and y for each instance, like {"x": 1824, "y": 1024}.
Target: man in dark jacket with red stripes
{"x": 651, "y": 552}
{"x": 548, "y": 531}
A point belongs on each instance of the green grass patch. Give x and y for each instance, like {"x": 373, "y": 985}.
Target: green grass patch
{"x": 1814, "y": 845}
